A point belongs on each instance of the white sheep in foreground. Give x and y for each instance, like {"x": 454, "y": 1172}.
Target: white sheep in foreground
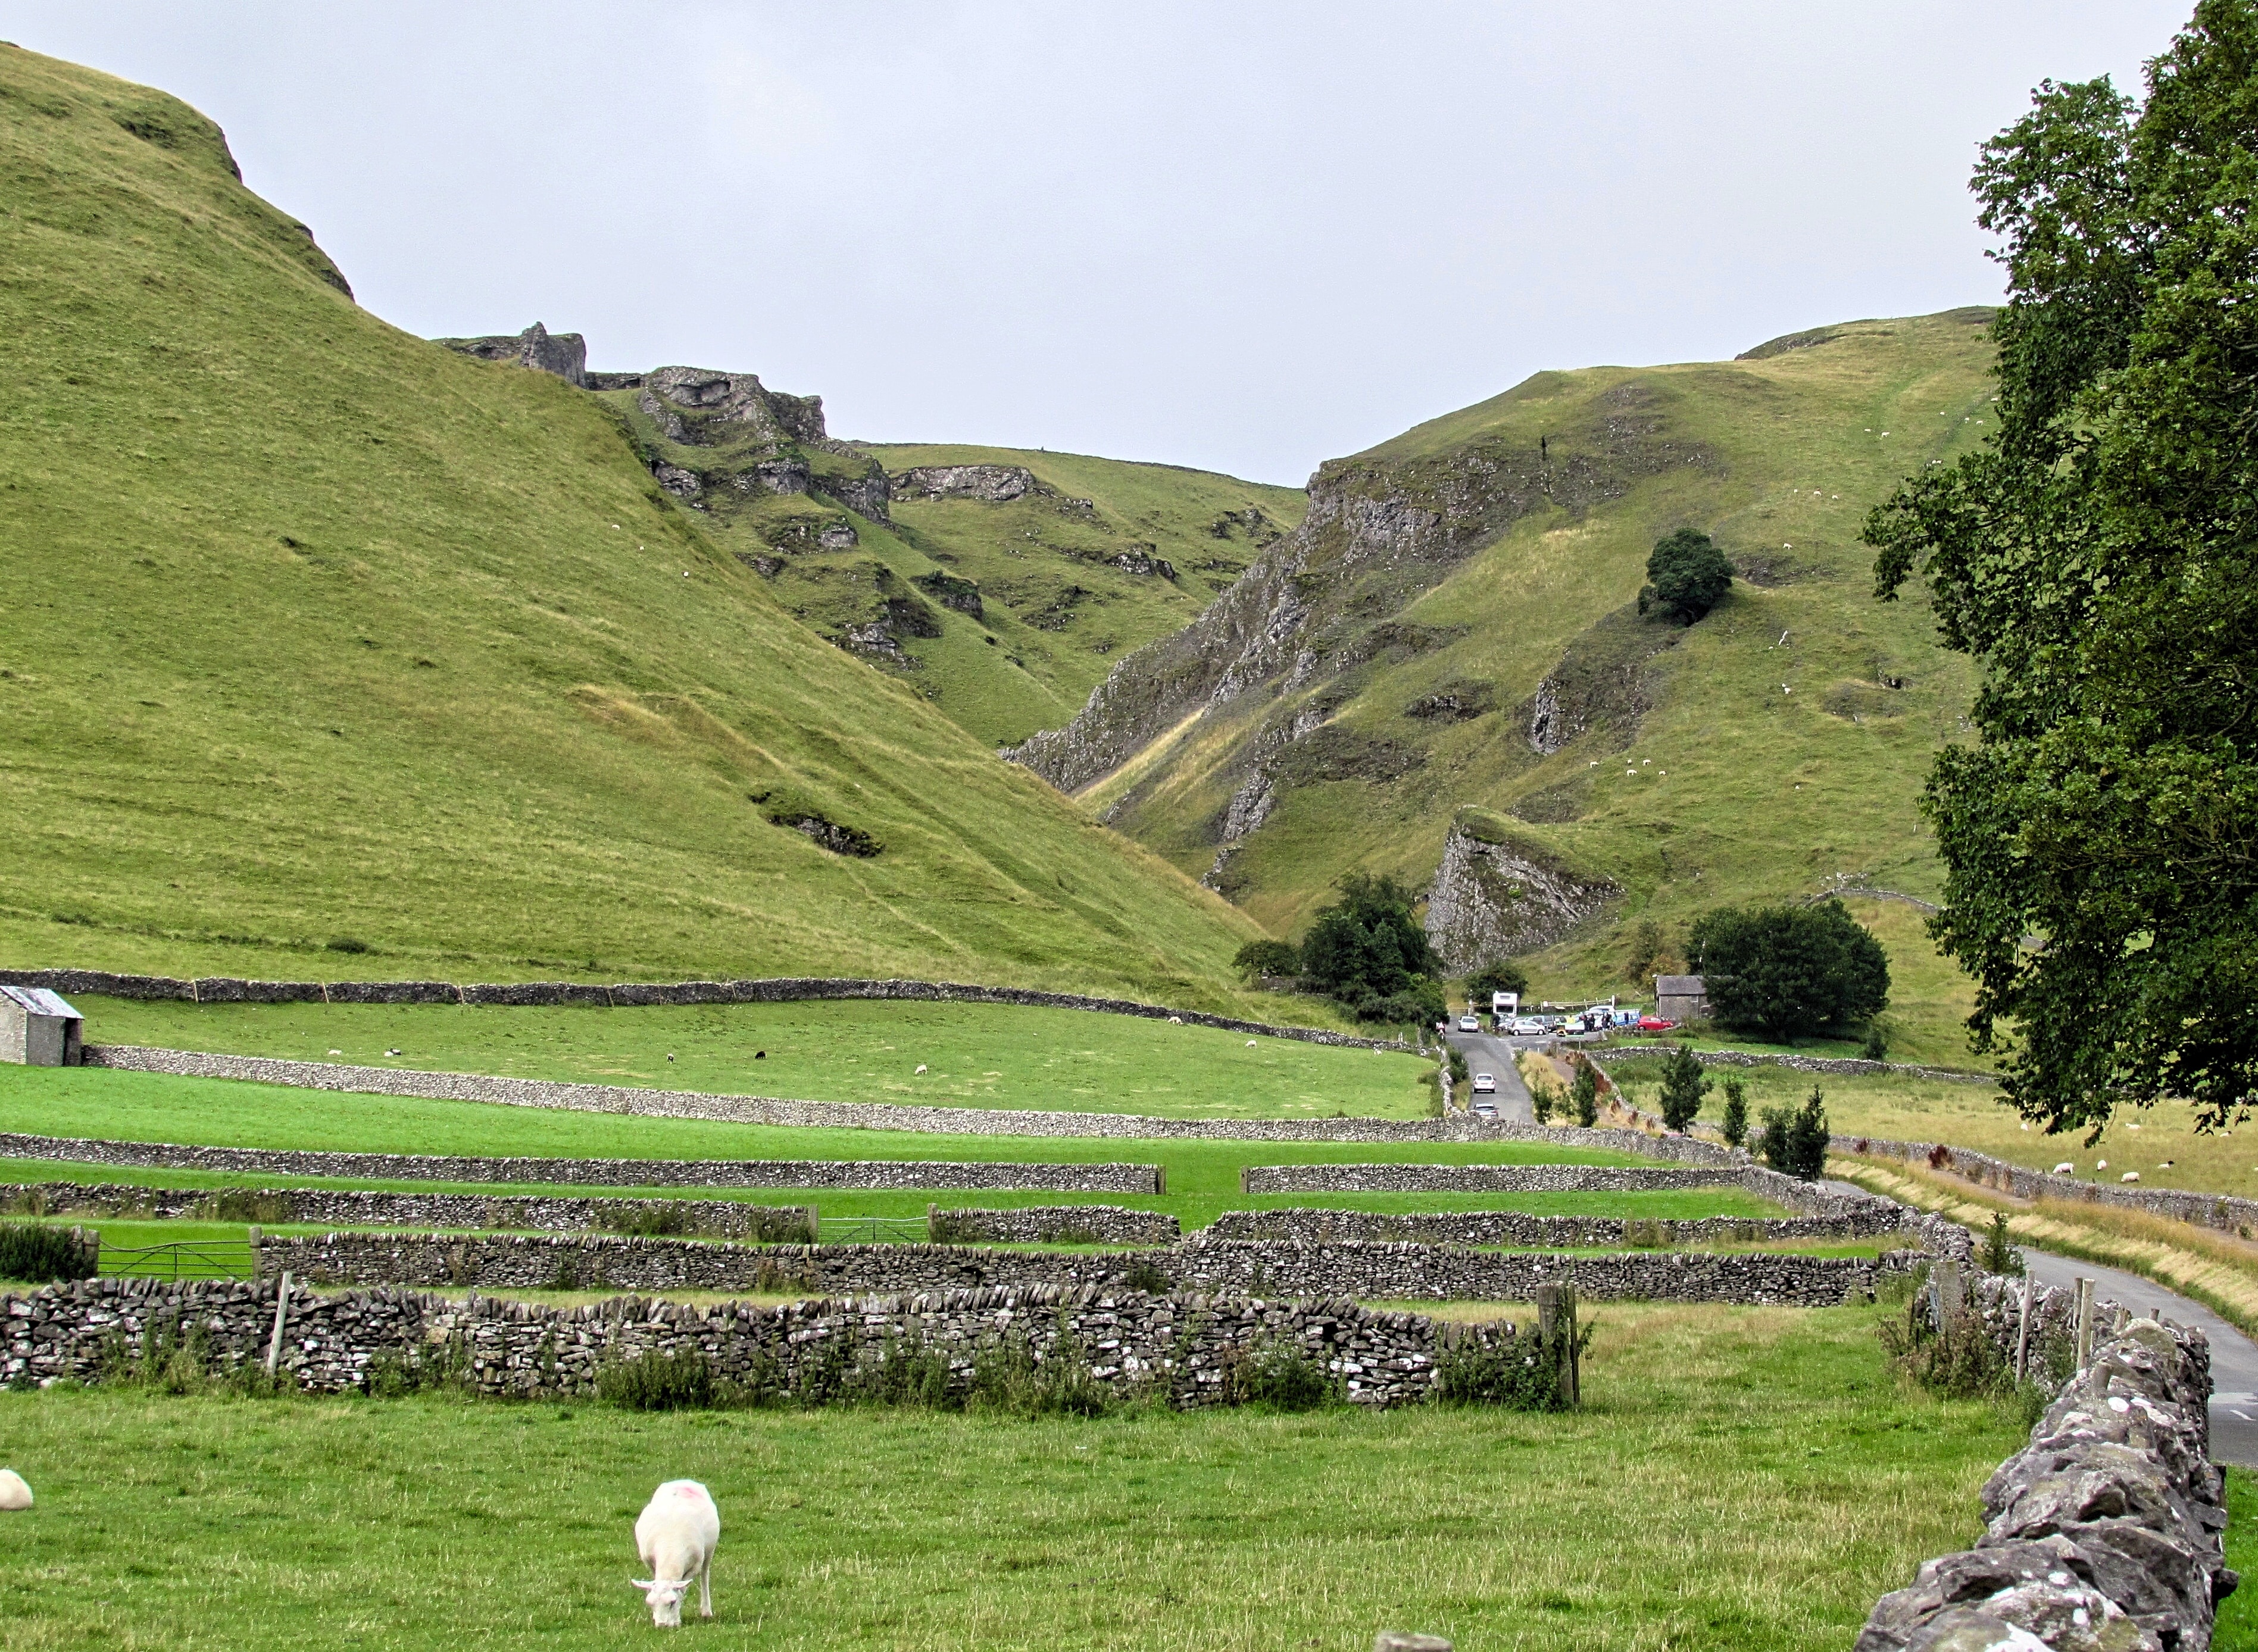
{"x": 675, "y": 1536}
{"x": 14, "y": 1494}
{"x": 2130, "y": 1175}
{"x": 2064, "y": 1169}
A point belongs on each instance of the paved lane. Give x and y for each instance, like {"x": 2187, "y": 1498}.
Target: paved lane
{"x": 1493, "y": 1055}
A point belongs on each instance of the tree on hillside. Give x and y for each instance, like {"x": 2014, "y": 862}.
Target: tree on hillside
{"x": 2098, "y": 558}
{"x": 1783, "y": 971}
{"x": 1795, "y": 1142}
{"x": 1684, "y": 1084}
{"x": 1736, "y": 1126}
{"x": 1261, "y": 957}
{"x": 1584, "y": 1095}
{"x": 1687, "y": 576}
{"x": 1502, "y": 975}
{"x": 1369, "y": 952}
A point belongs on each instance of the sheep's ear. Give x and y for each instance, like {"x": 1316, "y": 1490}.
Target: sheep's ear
{"x": 644, "y": 1584}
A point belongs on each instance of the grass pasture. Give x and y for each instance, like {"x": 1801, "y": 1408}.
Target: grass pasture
{"x": 1741, "y": 1478}
{"x": 976, "y": 1055}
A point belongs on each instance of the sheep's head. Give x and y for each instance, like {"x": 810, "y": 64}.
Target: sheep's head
{"x": 663, "y": 1597}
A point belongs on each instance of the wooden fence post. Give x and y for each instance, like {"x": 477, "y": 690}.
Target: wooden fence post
{"x": 2023, "y": 1332}
{"x": 1556, "y": 1326}
{"x": 281, "y": 1313}
{"x": 2084, "y": 1322}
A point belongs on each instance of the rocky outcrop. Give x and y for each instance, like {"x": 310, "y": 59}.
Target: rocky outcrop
{"x": 2103, "y": 1534}
{"x": 689, "y": 402}
{"x": 564, "y": 354}
{"x": 866, "y": 495}
{"x": 1377, "y": 534}
{"x": 993, "y": 483}
{"x": 1492, "y": 899}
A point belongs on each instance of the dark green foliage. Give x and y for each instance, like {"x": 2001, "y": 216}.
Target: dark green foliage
{"x": 1369, "y": 952}
{"x": 39, "y": 1252}
{"x": 2096, "y": 558}
{"x": 1143, "y": 1273}
{"x": 1877, "y": 1047}
{"x": 1461, "y": 1073}
{"x": 1007, "y": 1377}
{"x": 1584, "y": 1095}
{"x": 1998, "y": 1253}
{"x": 656, "y": 1381}
{"x": 1260, "y": 958}
{"x": 1782, "y": 971}
{"x": 1687, "y": 576}
{"x": 1795, "y": 1142}
{"x": 1521, "y": 1374}
{"x": 1500, "y": 975}
{"x": 1684, "y": 1084}
{"x": 1736, "y": 1111}
{"x": 1282, "y": 1377}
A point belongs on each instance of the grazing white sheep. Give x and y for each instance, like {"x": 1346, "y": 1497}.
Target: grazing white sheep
{"x": 921, "y": 1067}
{"x": 2064, "y": 1169}
{"x": 2101, "y": 1164}
{"x": 675, "y": 1536}
{"x": 14, "y": 1493}
{"x": 2130, "y": 1175}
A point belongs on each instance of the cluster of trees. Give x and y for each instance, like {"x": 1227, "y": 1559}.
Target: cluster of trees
{"x": 1785, "y": 972}
{"x": 1366, "y": 951}
{"x": 1792, "y": 1141}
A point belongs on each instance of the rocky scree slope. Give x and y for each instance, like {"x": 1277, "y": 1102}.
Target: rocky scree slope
{"x": 325, "y": 634}
{"x": 1444, "y": 673}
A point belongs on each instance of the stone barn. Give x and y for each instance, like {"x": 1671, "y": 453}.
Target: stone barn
{"x": 1681, "y": 997}
{"x": 38, "y": 1029}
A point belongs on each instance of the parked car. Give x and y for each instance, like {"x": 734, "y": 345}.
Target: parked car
{"x": 1485, "y": 1109}
{"x": 1485, "y": 1084}
{"x": 1655, "y": 1024}
{"x": 1527, "y": 1026}
{"x": 1469, "y": 1023}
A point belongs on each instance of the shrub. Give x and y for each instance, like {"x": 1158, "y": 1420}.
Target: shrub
{"x": 39, "y": 1252}
{"x": 1007, "y": 1377}
{"x": 1501, "y": 975}
{"x": 1648, "y": 1236}
{"x": 1521, "y": 1373}
{"x": 1877, "y": 1047}
{"x": 1795, "y": 1142}
{"x": 1736, "y": 1111}
{"x": 1368, "y": 946}
{"x": 1584, "y": 1095}
{"x": 1541, "y": 1101}
{"x": 1781, "y": 972}
{"x": 1143, "y": 1273}
{"x": 1998, "y": 1253}
{"x": 1260, "y": 958}
{"x": 1683, "y": 1085}
{"x": 682, "y": 1380}
{"x": 347, "y": 943}
{"x": 1687, "y": 576}
{"x": 1282, "y": 1377}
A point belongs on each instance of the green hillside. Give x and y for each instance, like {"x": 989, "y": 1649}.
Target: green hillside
{"x": 1000, "y": 583}
{"x": 1454, "y": 638}
{"x": 311, "y": 631}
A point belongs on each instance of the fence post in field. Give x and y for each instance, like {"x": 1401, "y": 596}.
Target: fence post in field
{"x": 2023, "y": 1332}
{"x": 281, "y": 1312}
{"x": 2084, "y": 1322}
{"x": 932, "y": 1222}
{"x": 814, "y": 1226}
{"x": 1556, "y": 1327}
{"x": 1949, "y": 1291}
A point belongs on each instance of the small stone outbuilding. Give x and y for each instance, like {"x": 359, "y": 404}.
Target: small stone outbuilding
{"x": 38, "y": 1029}
{"x": 1681, "y": 997}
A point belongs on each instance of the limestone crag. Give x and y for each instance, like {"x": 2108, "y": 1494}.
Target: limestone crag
{"x": 994, "y": 484}
{"x": 564, "y": 354}
{"x": 1490, "y": 900}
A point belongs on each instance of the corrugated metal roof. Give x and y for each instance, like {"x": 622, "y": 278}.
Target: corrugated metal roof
{"x": 39, "y": 1001}
{"x": 1680, "y": 986}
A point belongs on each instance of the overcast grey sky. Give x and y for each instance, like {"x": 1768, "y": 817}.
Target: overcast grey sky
{"x": 1243, "y": 236}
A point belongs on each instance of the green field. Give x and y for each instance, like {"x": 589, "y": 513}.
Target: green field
{"x": 976, "y": 1055}
{"x": 319, "y": 632}
{"x": 1740, "y": 1478}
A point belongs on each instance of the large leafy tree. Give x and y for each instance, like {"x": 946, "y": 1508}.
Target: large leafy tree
{"x": 1368, "y": 951}
{"x": 2098, "y": 558}
{"x": 1688, "y": 576}
{"x": 1786, "y": 971}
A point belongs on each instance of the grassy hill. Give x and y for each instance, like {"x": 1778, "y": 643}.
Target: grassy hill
{"x": 1001, "y": 585}
{"x": 313, "y": 632}
{"x": 1444, "y": 673}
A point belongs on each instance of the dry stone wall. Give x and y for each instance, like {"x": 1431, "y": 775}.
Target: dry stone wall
{"x": 1188, "y": 1348}
{"x": 2219, "y": 1211}
{"x": 1053, "y": 1224}
{"x": 568, "y": 994}
{"x": 1523, "y": 1231}
{"x": 1373, "y": 1270}
{"x": 2104, "y": 1532}
{"x": 1845, "y": 1066}
{"x": 911, "y": 1174}
{"x": 1803, "y": 1197}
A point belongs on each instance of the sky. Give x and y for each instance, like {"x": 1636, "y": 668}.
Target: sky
{"x": 1245, "y": 237}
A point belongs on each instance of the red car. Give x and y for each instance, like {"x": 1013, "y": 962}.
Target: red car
{"x": 1654, "y": 1023}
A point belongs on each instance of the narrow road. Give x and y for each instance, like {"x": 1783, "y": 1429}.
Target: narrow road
{"x": 1493, "y": 1055}
{"x": 2234, "y": 1356}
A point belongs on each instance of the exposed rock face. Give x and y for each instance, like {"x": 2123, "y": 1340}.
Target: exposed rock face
{"x": 786, "y": 476}
{"x": 867, "y": 495}
{"x": 1377, "y": 534}
{"x": 1141, "y": 561}
{"x": 2104, "y": 1531}
{"x": 1489, "y": 900}
{"x": 683, "y": 485}
{"x": 994, "y": 483}
{"x": 727, "y": 398}
{"x": 564, "y": 354}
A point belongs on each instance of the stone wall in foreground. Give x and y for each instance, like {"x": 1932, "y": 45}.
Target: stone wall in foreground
{"x": 1129, "y": 1342}
{"x": 2104, "y": 1532}
{"x": 909, "y": 1174}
